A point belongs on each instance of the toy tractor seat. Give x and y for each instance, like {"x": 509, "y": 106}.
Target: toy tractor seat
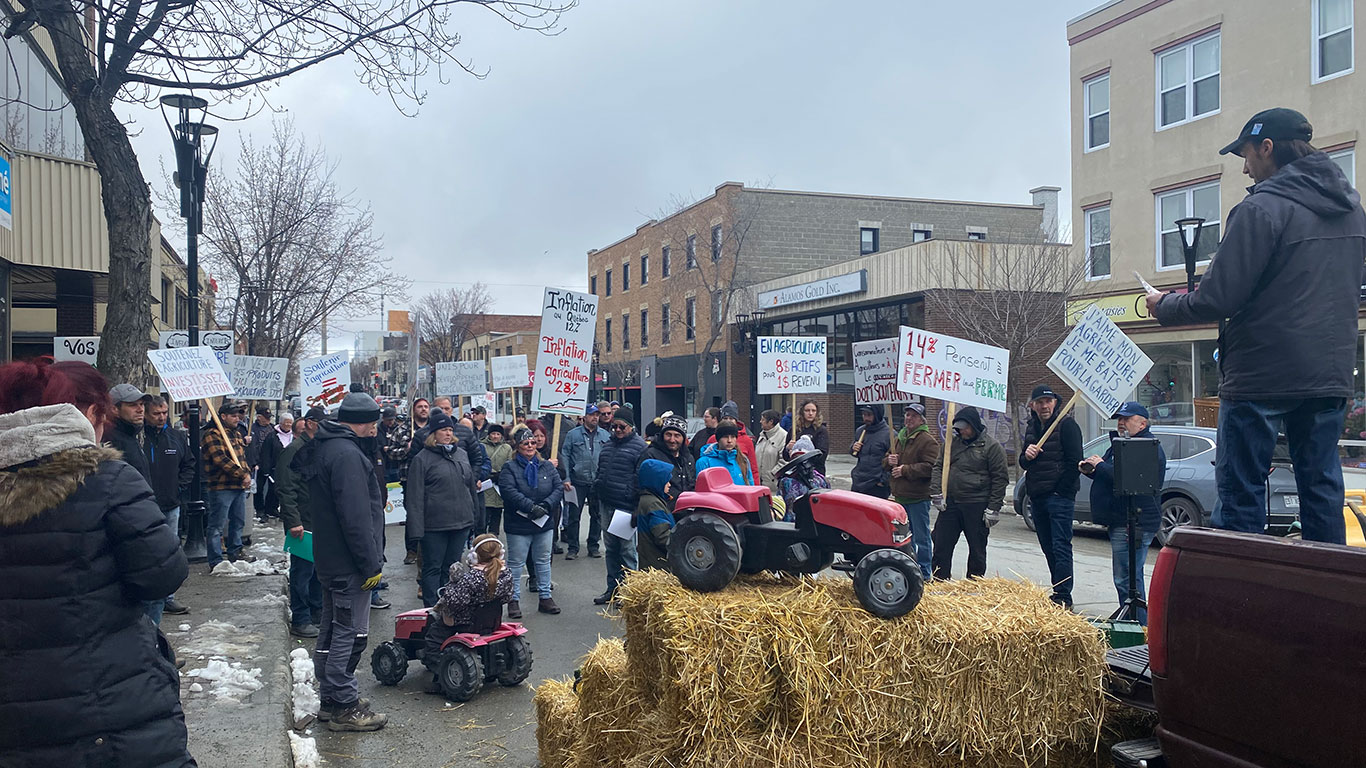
{"x": 717, "y": 493}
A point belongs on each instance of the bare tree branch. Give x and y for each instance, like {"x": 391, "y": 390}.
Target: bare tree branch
{"x": 449, "y": 319}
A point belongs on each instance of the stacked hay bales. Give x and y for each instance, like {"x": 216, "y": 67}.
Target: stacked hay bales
{"x": 781, "y": 671}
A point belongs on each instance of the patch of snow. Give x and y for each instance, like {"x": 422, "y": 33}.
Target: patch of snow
{"x": 305, "y": 751}
{"x": 268, "y": 599}
{"x": 196, "y": 688}
{"x": 219, "y": 638}
{"x": 242, "y": 568}
{"x": 184, "y": 628}
{"x": 305, "y": 697}
{"x": 229, "y": 680}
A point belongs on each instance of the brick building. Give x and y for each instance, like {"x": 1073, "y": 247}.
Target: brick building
{"x": 668, "y": 291}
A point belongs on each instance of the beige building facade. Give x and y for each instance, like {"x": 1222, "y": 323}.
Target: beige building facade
{"x": 1157, "y": 88}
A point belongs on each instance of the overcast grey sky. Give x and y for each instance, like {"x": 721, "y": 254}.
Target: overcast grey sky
{"x": 572, "y": 141}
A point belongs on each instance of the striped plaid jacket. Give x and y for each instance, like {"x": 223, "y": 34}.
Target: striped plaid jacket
{"x": 221, "y": 473}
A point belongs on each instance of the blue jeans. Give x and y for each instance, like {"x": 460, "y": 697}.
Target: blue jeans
{"x": 225, "y": 508}
{"x": 1247, "y": 438}
{"x": 1119, "y": 560}
{"x": 440, "y": 550}
{"x": 919, "y": 513}
{"x": 537, "y": 547}
{"x": 1053, "y": 516}
{"x": 155, "y": 607}
{"x": 621, "y": 553}
{"x": 305, "y": 593}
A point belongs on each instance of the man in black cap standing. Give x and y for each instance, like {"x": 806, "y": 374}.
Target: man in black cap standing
{"x": 1051, "y": 481}
{"x": 616, "y": 487}
{"x": 1288, "y": 278}
{"x": 130, "y": 410}
{"x": 977, "y": 488}
{"x": 296, "y": 513}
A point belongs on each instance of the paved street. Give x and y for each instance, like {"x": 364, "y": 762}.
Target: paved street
{"x": 498, "y": 726}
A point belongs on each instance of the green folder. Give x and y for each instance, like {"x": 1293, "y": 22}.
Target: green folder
{"x": 300, "y": 547}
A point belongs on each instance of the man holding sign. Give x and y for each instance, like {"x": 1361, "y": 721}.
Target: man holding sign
{"x": 227, "y": 478}
{"x": 1051, "y": 455}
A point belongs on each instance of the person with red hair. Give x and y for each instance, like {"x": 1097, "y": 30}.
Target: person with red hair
{"x": 83, "y": 545}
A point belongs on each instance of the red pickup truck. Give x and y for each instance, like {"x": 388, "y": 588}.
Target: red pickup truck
{"x": 1256, "y": 655}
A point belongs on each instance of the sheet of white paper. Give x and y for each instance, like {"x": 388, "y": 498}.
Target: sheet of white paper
{"x": 621, "y": 524}
{"x": 486, "y": 485}
{"x": 540, "y": 521}
{"x": 495, "y": 490}
{"x": 571, "y": 497}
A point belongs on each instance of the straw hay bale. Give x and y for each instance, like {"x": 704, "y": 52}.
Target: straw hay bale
{"x": 557, "y": 722}
{"x": 611, "y": 709}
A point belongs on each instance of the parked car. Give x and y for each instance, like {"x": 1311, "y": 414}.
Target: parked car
{"x": 1189, "y": 493}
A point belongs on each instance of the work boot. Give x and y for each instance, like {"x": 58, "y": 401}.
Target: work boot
{"x": 327, "y": 709}
{"x": 303, "y": 630}
{"x": 357, "y": 717}
{"x": 606, "y": 597}
{"x": 174, "y": 608}
{"x": 514, "y": 610}
{"x": 571, "y": 554}
{"x": 410, "y": 558}
{"x": 593, "y": 552}
{"x": 378, "y": 602}
{"x": 557, "y": 550}
{"x": 548, "y": 606}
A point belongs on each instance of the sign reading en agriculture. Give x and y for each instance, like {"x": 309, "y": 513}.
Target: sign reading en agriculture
{"x": 465, "y": 377}
{"x": 324, "y": 381}
{"x": 190, "y": 373}
{"x": 79, "y": 348}
{"x": 221, "y": 342}
{"x": 259, "y": 378}
{"x": 1102, "y": 364}
{"x": 875, "y": 373}
{"x": 565, "y": 355}
{"x": 791, "y": 364}
{"x": 510, "y": 371}
{"x": 951, "y": 369}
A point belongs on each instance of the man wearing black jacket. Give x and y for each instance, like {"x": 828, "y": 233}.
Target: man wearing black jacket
{"x": 671, "y": 447}
{"x": 172, "y": 470}
{"x": 1287, "y": 277}
{"x": 1052, "y": 481}
{"x": 126, "y": 434}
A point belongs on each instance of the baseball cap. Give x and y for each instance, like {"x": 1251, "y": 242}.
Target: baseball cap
{"x": 263, "y": 410}
{"x": 229, "y": 407}
{"x": 316, "y": 414}
{"x": 478, "y": 409}
{"x": 125, "y": 393}
{"x": 1131, "y": 408}
{"x": 1277, "y": 124}
{"x": 388, "y": 412}
{"x": 590, "y": 410}
{"x": 1043, "y": 390}
{"x": 917, "y": 407}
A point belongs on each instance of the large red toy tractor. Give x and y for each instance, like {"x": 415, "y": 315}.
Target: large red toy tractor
{"x": 724, "y": 529}
{"x": 466, "y": 660}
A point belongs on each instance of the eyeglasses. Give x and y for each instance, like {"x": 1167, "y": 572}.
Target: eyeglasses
{"x": 620, "y": 427}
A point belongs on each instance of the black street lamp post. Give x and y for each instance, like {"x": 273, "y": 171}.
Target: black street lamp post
{"x": 746, "y": 342}
{"x": 1189, "y": 228}
{"x": 192, "y": 164}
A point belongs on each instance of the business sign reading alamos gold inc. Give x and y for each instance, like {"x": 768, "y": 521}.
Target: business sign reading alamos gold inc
{"x": 854, "y": 282}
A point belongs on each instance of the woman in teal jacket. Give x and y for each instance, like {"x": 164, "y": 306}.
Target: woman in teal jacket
{"x": 725, "y": 453}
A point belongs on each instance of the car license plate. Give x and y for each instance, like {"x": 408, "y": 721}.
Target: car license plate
{"x": 1292, "y": 501}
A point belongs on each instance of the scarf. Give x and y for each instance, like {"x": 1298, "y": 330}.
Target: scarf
{"x": 530, "y": 470}
{"x": 286, "y": 436}
{"x": 905, "y": 435}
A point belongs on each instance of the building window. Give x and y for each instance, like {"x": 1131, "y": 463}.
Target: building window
{"x": 690, "y": 318}
{"x": 921, "y": 235}
{"x": 166, "y": 292}
{"x": 609, "y": 334}
{"x": 644, "y": 268}
{"x": 625, "y": 276}
{"x": 664, "y": 262}
{"x": 692, "y": 252}
{"x": 979, "y": 236}
{"x": 867, "y": 238}
{"x": 1332, "y": 38}
{"x": 608, "y": 282}
{"x": 1098, "y": 243}
{"x": 625, "y": 331}
{"x": 1097, "y": 112}
{"x": 1347, "y": 161}
{"x": 664, "y": 325}
{"x": 1201, "y": 200}
{"x": 644, "y": 328}
{"x": 1188, "y": 81}
{"x": 718, "y": 308}
{"x": 593, "y": 285}
{"x": 716, "y": 243}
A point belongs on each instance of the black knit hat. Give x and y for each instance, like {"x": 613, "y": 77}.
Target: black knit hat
{"x": 727, "y": 430}
{"x": 625, "y": 415}
{"x": 439, "y": 420}
{"x": 358, "y": 408}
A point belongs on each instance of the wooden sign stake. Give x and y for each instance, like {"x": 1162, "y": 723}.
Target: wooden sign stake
{"x": 948, "y": 453}
{"x": 1058, "y": 420}
{"x": 555, "y": 439}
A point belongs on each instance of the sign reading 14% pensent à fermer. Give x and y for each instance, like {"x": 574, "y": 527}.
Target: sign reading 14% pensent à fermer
{"x": 951, "y": 369}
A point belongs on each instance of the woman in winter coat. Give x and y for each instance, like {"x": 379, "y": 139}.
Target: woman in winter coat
{"x": 726, "y": 453}
{"x": 532, "y": 492}
{"x": 439, "y": 503}
{"x": 279, "y": 439}
{"x": 808, "y": 424}
{"x": 768, "y": 449}
{"x": 87, "y": 680}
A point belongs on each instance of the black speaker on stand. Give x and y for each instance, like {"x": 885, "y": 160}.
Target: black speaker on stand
{"x": 1138, "y": 472}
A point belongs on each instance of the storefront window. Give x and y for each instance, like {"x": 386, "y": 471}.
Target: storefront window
{"x": 1355, "y": 428}
{"x": 1167, "y": 388}
{"x": 1207, "y": 385}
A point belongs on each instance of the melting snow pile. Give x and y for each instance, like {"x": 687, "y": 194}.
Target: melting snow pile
{"x": 229, "y": 680}
{"x": 243, "y": 568}
{"x": 305, "y": 697}
{"x": 219, "y": 638}
{"x": 305, "y": 751}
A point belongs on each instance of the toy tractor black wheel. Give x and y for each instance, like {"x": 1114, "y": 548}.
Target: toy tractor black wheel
{"x": 389, "y": 662}
{"x": 888, "y": 583}
{"x": 704, "y": 552}
{"x": 518, "y": 660}
{"x": 461, "y": 673}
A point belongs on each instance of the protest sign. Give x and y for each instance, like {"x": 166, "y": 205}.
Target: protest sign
{"x": 568, "y": 320}
{"x": 1102, "y": 364}
{"x": 324, "y": 381}
{"x": 791, "y": 364}
{"x": 951, "y": 369}
{"x": 875, "y": 373}
{"x": 461, "y": 378}
{"x": 259, "y": 378}
{"x": 190, "y": 373}
{"x": 509, "y": 371}
{"x": 220, "y": 341}
{"x": 83, "y": 349}
{"x": 490, "y": 402}
{"x": 394, "y": 511}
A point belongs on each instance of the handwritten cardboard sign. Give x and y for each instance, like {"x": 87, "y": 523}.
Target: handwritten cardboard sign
{"x": 190, "y": 373}
{"x": 324, "y": 381}
{"x": 791, "y": 364}
{"x": 82, "y": 349}
{"x": 221, "y": 342}
{"x": 952, "y": 369}
{"x": 1102, "y": 364}
{"x": 490, "y": 402}
{"x": 259, "y": 378}
{"x": 875, "y": 373}
{"x": 465, "y": 377}
{"x": 565, "y": 355}
{"x": 510, "y": 371}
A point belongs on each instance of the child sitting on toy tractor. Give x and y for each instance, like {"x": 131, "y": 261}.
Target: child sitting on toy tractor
{"x": 473, "y": 599}
{"x": 653, "y": 519}
{"x": 801, "y": 479}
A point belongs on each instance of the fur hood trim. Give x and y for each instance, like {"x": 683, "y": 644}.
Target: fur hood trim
{"x": 27, "y": 491}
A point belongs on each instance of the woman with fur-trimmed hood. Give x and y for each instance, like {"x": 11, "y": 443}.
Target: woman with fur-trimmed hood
{"x": 86, "y": 679}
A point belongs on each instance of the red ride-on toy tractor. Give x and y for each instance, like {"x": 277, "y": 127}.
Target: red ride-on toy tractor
{"x": 465, "y": 661}
{"x": 724, "y": 529}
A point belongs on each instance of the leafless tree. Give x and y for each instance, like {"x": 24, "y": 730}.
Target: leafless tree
{"x": 1009, "y": 295}
{"x": 289, "y": 247}
{"x": 133, "y": 50}
{"x": 449, "y": 319}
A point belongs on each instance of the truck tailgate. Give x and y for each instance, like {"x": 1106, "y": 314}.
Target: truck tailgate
{"x": 1266, "y": 653}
